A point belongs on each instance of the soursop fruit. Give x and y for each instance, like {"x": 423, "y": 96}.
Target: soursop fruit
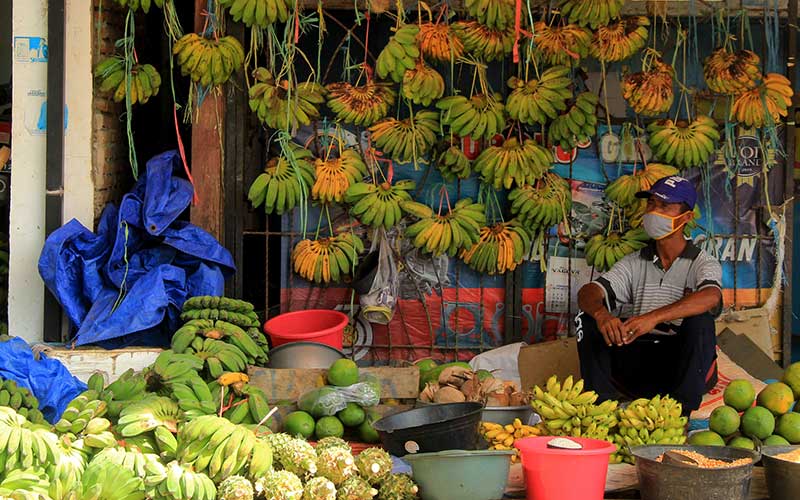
{"x": 319, "y": 488}
{"x": 355, "y": 488}
{"x": 235, "y": 488}
{"x": 299, "y": 457}
{"x": 332, "y": 442}
{"x": 374, "y": 464}
{"x": 336, "y": 465}
{"x": 279, "y": 485}
{"x": 397, "y": 487}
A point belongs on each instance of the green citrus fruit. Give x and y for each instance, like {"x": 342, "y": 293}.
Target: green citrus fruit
{"x": 789, "y": 427}
{"x": 706, "y": 438}
{"x": 329, "y": 426}
{"x": 758, "y": 422}
{"x": 791, "y": 377}
{"x": 299, "y": 422}
{"x": 366, "y": 432}
{"x": 724, "y": 420}
{"x": 353, "y": 415}
{"x": 343, "y": 372}
{"x": 425, "y": 364}
{"x": 776, "y": 440}
{"x": 777, "y": 397}
{"x": 742, "y": 442}
{"x": 739, "y": 394}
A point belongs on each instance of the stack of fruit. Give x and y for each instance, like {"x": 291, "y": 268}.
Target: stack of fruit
{"x": 21, "y": 400}
{"x": 502, "y": 437}
{"x": 567, "y": 410}
{"x": 455, "y": 383}
{"x": 648, "y": 421}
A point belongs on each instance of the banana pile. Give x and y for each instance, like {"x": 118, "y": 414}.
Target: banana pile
{"x": 230, "y": 313}
{"x": 361, "y": 105}
{"x": 561, "y": 45}
{"x": 566, "y": 410}
{"x": 423, "y": 84}
{"x": 408, "y": 139}
{"x": 80, "y": 411}
{"x": 147, "y": 414}
{"x": 259, "y": 13}
{"x": 495, "y": 14}
{"x": 500, "y": 248}
{"x": 765, "y": 104}
{"x": 145, "y": 5}
{"x": 27, "y": 483}
{"x": 208, "y": 62}
{"x": 450, "y": 233}
{"x": 623, "y": 190}
{"x": 603, "y": 251}
{"x": 399, "y": 54}
{"x": 453, "y": 163}
{"x": 279, "y": 107}
{"x": 23, "y": 445}
{"x": 285, "y": 181}
{"x": 335, "y": 175}
{"x": 184, "y": 483}
{"x": 513, "y": 163}
{"x": 543, "y": 204}
{"x": 327, "y": 260}
{"x": 732, "y": 73}
{"x": 539, "y": 101}
{"x": 683, "y": 144}
{"x": 21, "y": 400}
{"x": 243, "y": 338}
{"x": 577, "y": 126}
{"x": 438, "y": 42}
{"x": 502, "y": 437}
{"x": 593, "y": 13}
{"x": 480, "y": 116}
{"x": 650, "y": 92}
{"x": 129, "y": 386}
{"x": 485, "y": 43}
{"x": 144, "y": 81}
{"x": 621, "y": 39}
{"x": 648, "y": 421}
{"x": 377, "y": 205}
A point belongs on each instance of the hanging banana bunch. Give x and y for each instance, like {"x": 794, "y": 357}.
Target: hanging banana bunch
{"x": 561, "y": 45}
{"x": 480, "y": 116}
{"x": 284, "y": 181}
{"x": 650, "y": 92}
{"x": 361, "y": 105}
{"x": 144, "y": 84}
{"x": 259, "y": 13}
{"x": 542, "y": 205}
{"x": 485, "y": 43}
{"x": 282, "y": 108}
{"x": 501, "y": 247}
{"x": 620, "y": 40}
{"x": 453, "y": 163}
{"x": 495, "y": 14}
{"x": 603, "y": 251}
{"x": 438, "y": 42}
{"x": 400, "y": 54}
{"x": 683, "y": 144}
{"x": 765, "y": 104}
{"x": 334, "y": 176}
{"x": 378, "y": 205}
{"x": 623, "y": 190}
{"x": 327, "y": 260}
{"x": 593, "y": 13}
{"x": 208, "y": 62}
{"x": 144, "y": 5}
{"x": 513, "y": 163}
{"x": 408, "y": 139}
{"x": 539, "y": 101}
{"x": 732, "y": 73}
{"x": 423, "y": 84}
{"x": 444, "y": 234}
{"x": 577, "y": 126}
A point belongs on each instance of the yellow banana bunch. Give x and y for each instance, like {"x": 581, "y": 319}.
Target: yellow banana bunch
{"x": 577, "y": 126}
{"x": 649, "y": 421}
{"x": 453, "y": 163}
{"x": 561, "y": 45}
{"x": 335, "y": 175}
{"x": 650, "y": 92}
{"x": 438, "y": 42}
{"x": 378, "y": 205}
{"x": 408, "y": 139}
{"x": 282, "y": 108}
{"x": 423, "y": 84}
{"x": 621, "y": 39}
{"x": 284, "y": 181}
{"x": 206, "y": 61}
{"x": 327, "y": 260}
{"x": 594, "y": 13}
{"x": 502, "y": 437}
{"x": 683, "y": 144}
{"x": 444, "y": 234}
{"x": 259, "y": 13}
{"x": 513, "y": 163}
{"x": 567, "y": 410}
{"x": 539, "y": 101}
{"x": 603, "y": 251}
{"x": 765, "y": 104}
{"x": 145, "y": 5}
{"x": 144, "y": 83}
{"x": 495, "y": 14}
{"x": 483, "y": 42}
{"x": 501, "y": 247}
{"x": 543, "y": 204}
{"x": 400, "y": 54}
{"x": 362, "y": 105}
{"x": 732, "y": 73}
{"x": 480, "y": 116}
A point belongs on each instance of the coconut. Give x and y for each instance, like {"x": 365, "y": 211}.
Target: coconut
{"x": 455, "y": 376}
{"x": 472, "y": 389}
{"x": 449, "y": 394}
{"x": 497, "y": 398}
{"x": 429, "y": 392}
{"x": 518, "y": 399}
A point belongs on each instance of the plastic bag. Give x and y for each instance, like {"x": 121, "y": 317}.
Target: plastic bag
{"x": 330, "y": 400}
{"x": 378, "y": 305}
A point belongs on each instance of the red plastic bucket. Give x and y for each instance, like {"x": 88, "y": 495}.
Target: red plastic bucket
{"x": 314, "y": 325}
{"x": 550, "y": 473}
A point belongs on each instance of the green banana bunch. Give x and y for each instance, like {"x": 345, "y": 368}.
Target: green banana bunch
{"x": 226, "y": 318}
{"x": 80, "y": 411}
{"x": 408, "y": 139}
{"x": 182, "y": 483}
{"x": 481, "y": 116}
{"x": 501, "y": 247}
{"x": 194, "y": 398}
{"x": 112, "y": 77}
{"x": 538, "y": 101}
{"x": 544, "y": 204}
{"x": 453, "y": 163}
{"x": 423, "y": 84}
{"x": 399, "y": 54}
{"x": 259, "y": 13}
{"x": 497, "y": 14}
{"x": 171, "y": 368}
{"x": 128, "y": 386}
{"x": 567, "y": 410}
{"x": 285, "y": 181}
{"x": 147, "y": 414}
{"x": 280, "y": 107}
{"x": 649, "y": 421}
{"x": 219, "y": 330}
{"x": 66, "y": 472}
{"x": 206, "y": 61}
{"x": 218, "y": 356}
{"x": 448, "y": 233}
{"x": 623, "y": 190}
{"x": 361, "y": 105}
{"x": 577, "y": 126}
{"x": 217, "y": 302}
{"x": 23, "y": 446}
{"x": 684, "y": 144}
{"x": 593, "y": 13}
{"x": 513, "y": 163}
{"x": 21, "y": 400}
{"x": 485, "y": 43}
{"x": 26, "y": 483}
{"x": 603, "y": 251}
{"x": 135, "y": 5}
{"x": 378, "y": 205}
{"x": 104, "y": 478}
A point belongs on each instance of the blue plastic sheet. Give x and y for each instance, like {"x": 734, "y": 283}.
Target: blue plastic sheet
{"x": 126, "y": 284}
{"x": 48, "y": 379}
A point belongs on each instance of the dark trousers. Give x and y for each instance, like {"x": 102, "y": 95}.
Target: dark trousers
{"x": 681, "y": 365}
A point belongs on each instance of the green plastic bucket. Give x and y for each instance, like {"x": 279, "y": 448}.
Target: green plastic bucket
{"x": 461, "y": 474}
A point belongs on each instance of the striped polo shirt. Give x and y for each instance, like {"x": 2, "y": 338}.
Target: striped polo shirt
{"x": 638, "y": 283}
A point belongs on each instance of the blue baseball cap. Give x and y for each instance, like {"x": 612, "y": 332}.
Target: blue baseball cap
{"x": 672, "y": 189}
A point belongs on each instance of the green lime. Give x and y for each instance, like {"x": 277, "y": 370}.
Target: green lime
{"x": 299, "y": 422}
{"x": 353, "y": 415}
{"x": 724, "y": 420}
{"x": 706, "y": 438}
{"x": 789, "y": 427}
{"x": 776, "y": 440}
{"x": 366, "y": 432}
{"x": 742, "y": 442}
{"x": 758, "y": 422}
{"x": 329, "y": 426}
{"x": 343, "y": 372}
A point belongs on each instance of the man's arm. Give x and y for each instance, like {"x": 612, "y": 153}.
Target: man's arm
{"x": 695, "y": 303}
{"x": 591, "y": 300}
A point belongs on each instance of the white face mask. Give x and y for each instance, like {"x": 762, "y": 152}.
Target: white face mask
{"x": 659, "y": 226}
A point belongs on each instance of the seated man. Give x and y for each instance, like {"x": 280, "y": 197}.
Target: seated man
{"x": 646, "y": 327}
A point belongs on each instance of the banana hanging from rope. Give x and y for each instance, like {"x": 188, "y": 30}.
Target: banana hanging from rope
{"x": 650, "y": 92}
{"x": 144, "y": 5}
{"x": 764, "y": 105}
{"x": 335, "y": 175}
{"x": 732, "y": 73}
{"x": 259, "y": 13}
{"x": 620, "y": 40}
{"x": 408, "y": 139}
{"x": 438, "y": 42}
{"x": 513, "y": 163}
{"x": 377, "y": 205}
{"x": 280, "y": 107}
{"x": 603, "y": 251}
{"x": 538, "y": 101}
{"x": 485, "y": 43}
{"x": 561, "y": 45}
{"x": 577, "y": 126}
{"x": 399, "y": 54}
{"x": 361, "y": 105}
{"x": 423, "y": 84}
{"x": 450, "y": 233}
{"x": 327, "y": 260}
{"x": 495, "y": 14}
{"x": 144, "y": 83}
{"x": 480, "y": 116}
{"x": 501, "y": 248}
{"x": 284, "y": 181}
{"x": 684, "y": 144}
{"x": 542, "y": 205}
{"x": 206, "y": 61}
{"x": 593, "y": 13}
{"x": 453, "y": 163}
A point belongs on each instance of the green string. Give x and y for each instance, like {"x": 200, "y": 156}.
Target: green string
{"x": 128, "y": 44}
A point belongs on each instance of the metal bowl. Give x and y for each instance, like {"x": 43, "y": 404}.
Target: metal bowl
{"x": 506, "y": 414}
{"x": 303, "y": 355}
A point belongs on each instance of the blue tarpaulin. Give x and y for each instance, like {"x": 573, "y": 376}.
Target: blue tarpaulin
{"x": 125, "y": 284}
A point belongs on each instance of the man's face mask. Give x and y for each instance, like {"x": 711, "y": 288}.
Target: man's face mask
{"x": 659, "y": 226}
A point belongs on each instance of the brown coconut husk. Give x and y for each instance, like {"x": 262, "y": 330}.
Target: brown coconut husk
{"x": 449, "y": 394}
{"x": 472, "y": 389}
{"x": 455, "y": 376}
{"x": 429, "y": 392}
{"x": 498, "y": 398}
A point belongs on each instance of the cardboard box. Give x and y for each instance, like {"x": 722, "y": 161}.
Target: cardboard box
{"x": 539, "y": 361}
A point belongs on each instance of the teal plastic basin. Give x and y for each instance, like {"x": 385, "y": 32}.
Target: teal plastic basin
{"x": 461, "y": 474}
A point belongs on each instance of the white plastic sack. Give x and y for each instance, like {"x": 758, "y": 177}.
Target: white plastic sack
{"x": 502, "y": 362}
{"x": 378, "y": 305}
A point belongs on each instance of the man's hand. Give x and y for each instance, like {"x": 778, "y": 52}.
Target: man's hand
{"x": 612, "y": 328}
{"x": 637, "y": 326}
